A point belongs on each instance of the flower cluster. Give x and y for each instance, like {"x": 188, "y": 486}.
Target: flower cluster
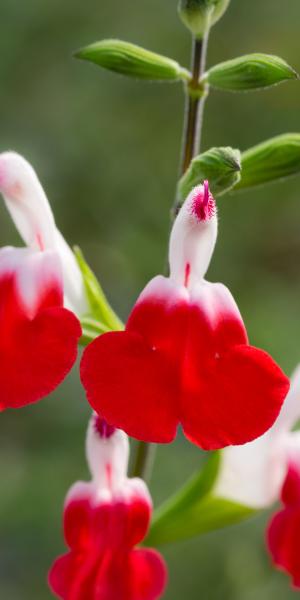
{"x": 184, "y": 359}
{"x": 104, "y": 520}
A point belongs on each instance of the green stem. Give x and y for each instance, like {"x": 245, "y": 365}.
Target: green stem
{"x": 195, "y": 96}
{"x": 143, "y": 460}
{"x": 194, "y": 105}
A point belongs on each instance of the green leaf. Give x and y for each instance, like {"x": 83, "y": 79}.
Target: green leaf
{"x": 195, "y": 510}
{"x": 100, "y": 309}
{"x": 220, "y": 166}
{"x": 269, "y": 161}
{"x": 209, "y": 514}
{"x": 249, "y": 72}
{"x": 133, "y": 61}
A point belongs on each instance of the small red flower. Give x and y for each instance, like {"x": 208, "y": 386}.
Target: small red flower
{"x": 103, "y": 522}
{"x": 283, "y": 534}
{"x": 38, "y": 343}
{"x": 184, "y": 357}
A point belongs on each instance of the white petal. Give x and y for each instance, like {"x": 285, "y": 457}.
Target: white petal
{"x": 292, "y": 444}
{"x": 192, "y": 242}
{"x": 217, "y": 303}
{"x": 80, "y": 490}
{"x": 34, "y": 274}
{"x": 26, "y": 201}
{"x": 163, "y": 289}
{"x": 74, "y": 290}
{"x": 135, "y": 488}
{"x": 253, "y": 474}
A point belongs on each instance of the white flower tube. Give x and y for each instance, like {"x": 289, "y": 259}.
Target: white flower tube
{"x": 29, "y": 208}
{"x": 193, "y": 237}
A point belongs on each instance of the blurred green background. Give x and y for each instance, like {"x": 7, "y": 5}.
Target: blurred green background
{"x": 106, "y": 150}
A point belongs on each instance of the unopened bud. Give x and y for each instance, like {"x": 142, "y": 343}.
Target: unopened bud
{"x": 200, "y": 15}
{"x": 221, "y": 166}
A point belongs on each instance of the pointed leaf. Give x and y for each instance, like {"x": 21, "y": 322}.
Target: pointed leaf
{"x": 221, "y": 166}
{"x": 208, "y": 514}
{"x": 133, "y": 61}
{"x": 101, "y": 311}
{"x": 250, "y": 72}
{"x": 269, "y": 161}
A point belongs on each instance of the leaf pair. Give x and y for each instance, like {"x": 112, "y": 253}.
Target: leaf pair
{"x": 249, "y": 72}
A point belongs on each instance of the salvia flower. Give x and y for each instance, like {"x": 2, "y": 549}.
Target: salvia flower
{"x": 184, "y": 357}
{"x": 104, "y": 520}
{"x": 39, "y": 336}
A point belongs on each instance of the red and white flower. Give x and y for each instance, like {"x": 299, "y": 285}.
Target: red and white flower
{"x": 104, "y": 520}
{"x": 266, "y": 470}
{"x": 39, "y": 336}
{"x": 184, "y": 357}
{"x": 253, "y": 474}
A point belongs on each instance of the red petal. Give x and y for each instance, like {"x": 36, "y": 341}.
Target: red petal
{"x": 232, "y": 392}
{"x": 36, "y": 352}
{"x": 235, "y": 400}
{"x": 102, "y": 564}
{"x": 42, "y": 353}
{"x": 138, "y": 575}
{"x": 73, "y": 576}
{"x": 77, "y": 516}
{"x": 290, "y": 493}
{"x": 189, "y": 363}
{"x": 137, "y": 521}
{"x": 133, "y": 378}
{"x": 128, "y": 522}
{"x": 283, "y": 537}
{"x": 61, "y": 575}
{"x": 131, "y": 386}
{"x": 148, "y": 575}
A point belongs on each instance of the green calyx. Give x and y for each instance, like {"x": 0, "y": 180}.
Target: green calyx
{"x": 220, "y": 166}
{"x": 199, "y": 15}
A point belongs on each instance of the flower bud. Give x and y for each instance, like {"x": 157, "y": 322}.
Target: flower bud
{"x": 200, "y": 15}
{"x": 221, "y": 166}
